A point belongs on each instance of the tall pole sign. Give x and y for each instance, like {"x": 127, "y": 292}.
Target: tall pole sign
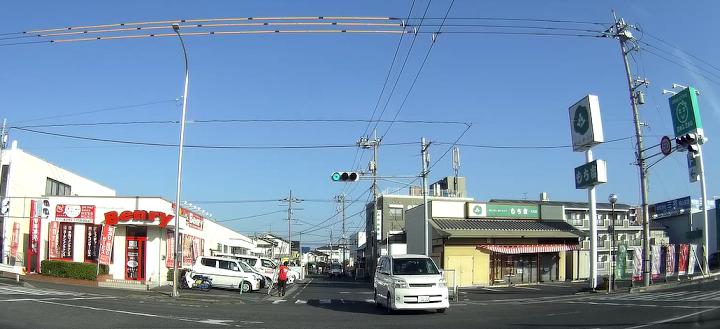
{"x": 688, "y": 128}
{"x": 586, "y": 131}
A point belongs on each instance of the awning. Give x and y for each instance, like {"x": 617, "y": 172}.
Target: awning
{"x": 528, "y": 248}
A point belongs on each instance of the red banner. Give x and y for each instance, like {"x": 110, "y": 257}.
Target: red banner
{"x": 34, "y": 227}
{"x": 170, "y": 249}
{"x": 106, "y": 244}
{"x": 15, "y": 239}
{"x": 683, "y": 259}
{"x": 75, "y": 213}
{"x": 54, "y": 232}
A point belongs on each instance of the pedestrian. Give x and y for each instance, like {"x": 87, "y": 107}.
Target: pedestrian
{"x": 282, "y": 278}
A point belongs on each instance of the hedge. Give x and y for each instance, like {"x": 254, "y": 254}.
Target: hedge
{"x": 63, "y": 269}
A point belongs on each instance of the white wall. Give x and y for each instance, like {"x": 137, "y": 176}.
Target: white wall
{"x": 446, "y": 209}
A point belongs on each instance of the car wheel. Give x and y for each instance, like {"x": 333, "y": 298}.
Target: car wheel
{"x": 441, "y": 310}
{"x": 245, "y": 287}
{"x": 388, "y": 304}
{"x": 375, "y": 297}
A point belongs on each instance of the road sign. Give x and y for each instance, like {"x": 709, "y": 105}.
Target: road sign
{"x": 670, "y": 208}
{"x": 665, "y": 145}
{"x": 585, "y": 123}
{"x": 590, "y": 174}
{"x": 694, "y": 166}
{"x": 685, "y": 112}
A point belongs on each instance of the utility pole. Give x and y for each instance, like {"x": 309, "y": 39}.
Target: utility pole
{"x": 290, "y": 200}
{"x": 621, "y": 31}
{"x": 3, "y": 141}
{"x": 366, "y": 143}
{"x": 425, "y": 171}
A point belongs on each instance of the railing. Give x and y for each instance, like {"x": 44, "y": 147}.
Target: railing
{"x": 452, "y": 284}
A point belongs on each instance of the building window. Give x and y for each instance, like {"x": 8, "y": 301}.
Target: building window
{"x": 92, "y": 242}
{"x": 67, "y": 233}
{"x": 53, "y": 187}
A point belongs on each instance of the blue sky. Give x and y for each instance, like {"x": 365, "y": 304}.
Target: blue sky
{"x": 515, "y": 90}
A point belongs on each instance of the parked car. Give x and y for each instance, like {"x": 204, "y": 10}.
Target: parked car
{"x": 264, "y": 265}
{"x": 264, "y": 280}
{"x": 404, "y": 282}
{"x": 227, "y": 273}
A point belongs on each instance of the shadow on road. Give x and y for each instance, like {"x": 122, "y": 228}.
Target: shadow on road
{"x": 359, "y": 307}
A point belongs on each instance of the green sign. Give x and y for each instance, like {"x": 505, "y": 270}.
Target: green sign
{"x": 512, "y": 211}
{"x": 590, "y": 174}
{"x": 685, "y": 112}
{"x": 621, "y": 261}
{"x": 581, "y": 121}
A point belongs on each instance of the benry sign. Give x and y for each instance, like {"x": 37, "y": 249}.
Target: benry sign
{"x": 113, "y": 217}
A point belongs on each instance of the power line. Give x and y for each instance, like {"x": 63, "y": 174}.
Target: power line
{"x": 114, "y": 108}
{"x": 249, "y": 217}
{"x": 538, "y": 147}
{"x": 676, "y": 48}
{"x": 516, "y": 19}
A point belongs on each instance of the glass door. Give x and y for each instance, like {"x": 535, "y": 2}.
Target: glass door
{"x": 135, "y": 258}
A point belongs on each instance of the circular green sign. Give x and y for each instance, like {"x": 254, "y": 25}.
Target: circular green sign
{"x": 478, "y": 210}
{"x": 681, "y": 112}
{"x": 581, "y": 121}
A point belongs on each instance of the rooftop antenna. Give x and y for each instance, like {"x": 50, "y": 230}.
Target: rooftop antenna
{"x": 456, "y": 160}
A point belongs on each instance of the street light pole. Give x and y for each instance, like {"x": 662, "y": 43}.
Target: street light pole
{"x": 611, "y": 278}
{"x": 176, "y": 28}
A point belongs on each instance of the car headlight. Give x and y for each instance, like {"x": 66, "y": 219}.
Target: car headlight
{"x": 442, "y": 283}
{"x": 400, "y": 283}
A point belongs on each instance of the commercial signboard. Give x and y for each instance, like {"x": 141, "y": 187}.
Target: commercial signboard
{"x": 67, "y": 237}
{"x": 683, "y": 259}
{"x": 621, "y": 261}
{"x": 670, "y": 260}
{"x": 106, "y": 244}
{"x": 655, "y": 266}
{"x": 170, "y": 251}
{"x": 492, "y": 210}
{"x": 84, "y": 214}
{"x": 15, "y": 239}
{"x": 585, "y": 123}
{"x": 692, "y": 259}
{"x": 685, "y": 112}
{"x": 590, "y": 174}
{"x": 92, "y": 240}
{"x": 670, "y": 208}
{"x": 54, "y": 232}
{"x": 35, "y": 217}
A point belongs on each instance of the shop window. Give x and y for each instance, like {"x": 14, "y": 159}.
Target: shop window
{"x": 92, "y": 242}
{"x": 67, "y": 235}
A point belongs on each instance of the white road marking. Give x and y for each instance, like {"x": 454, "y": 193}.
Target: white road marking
{"x": 213, "y": 321}
{"x": 370, "y": 301}
{"x": 485, "y": 288}
{"x": 279, "y": 301}
{"x": 300, "y": 301}
{"x": 344, "y": 292}
{"x": 303, "y": 289}
{"x": 54, "y": 298}
{"x": 672, "y": 319}
{"x": 150, "y": 315}
{"x": 523, "y": 287}
{"x": 325, "y": 301}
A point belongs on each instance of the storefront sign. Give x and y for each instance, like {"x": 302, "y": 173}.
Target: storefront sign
{"x": 15, "y": 239}
{"x": 670, "y": 260}
{"x": 106, "y": 244}
{"x": 683, "y": 259}
{"x": 489, "y": 210}
{"x": 585, "y": 123}
{"x": 92, "y": 238}
{"x": 194, "y": 221}
{"x": 113, "y": 217}
{"x": 670, "y": 208}
{"x": 685, "y": 112}
{"x": 67, "y": 232}
{"x": 54, "y": 229}
{"x": 75, "y": 213}
{"x": 692, "y": 257}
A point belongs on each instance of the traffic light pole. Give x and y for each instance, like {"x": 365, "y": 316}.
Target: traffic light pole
{"x": 621, "y": 32}
{"x": 703, "y": 194}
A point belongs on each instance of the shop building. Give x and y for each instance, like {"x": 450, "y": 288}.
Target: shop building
{"x": 494, "y": 243}
{"x": 24, "y": 179}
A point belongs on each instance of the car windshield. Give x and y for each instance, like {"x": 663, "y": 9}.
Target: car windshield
{"x": 245, "y": 267}
{"x": 336, "y": 266}
{"x": 414, "y": 266}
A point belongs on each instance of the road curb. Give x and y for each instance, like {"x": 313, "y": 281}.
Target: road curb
{"x": 670, "y": 285}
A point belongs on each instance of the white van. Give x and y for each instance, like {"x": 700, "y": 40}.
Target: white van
{"x": 264, "y": 280}
{"x": 227, "y": 273}
{"x": 410, "y": 282}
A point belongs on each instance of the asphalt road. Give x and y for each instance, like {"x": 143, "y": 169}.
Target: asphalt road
{"x": 322, "y": 303}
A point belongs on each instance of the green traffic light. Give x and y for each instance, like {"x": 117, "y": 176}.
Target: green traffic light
{"x": 335, "y": 176}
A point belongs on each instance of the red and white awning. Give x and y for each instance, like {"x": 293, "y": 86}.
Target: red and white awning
{"x": 528, "y": 248}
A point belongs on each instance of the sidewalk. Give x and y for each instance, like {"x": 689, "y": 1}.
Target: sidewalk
{"x": 712, "y": 276}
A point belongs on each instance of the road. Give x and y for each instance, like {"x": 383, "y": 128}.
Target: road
{"x": 323, "y": 303}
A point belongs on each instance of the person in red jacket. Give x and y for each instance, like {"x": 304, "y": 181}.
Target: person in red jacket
{"x": 282, "y": 278}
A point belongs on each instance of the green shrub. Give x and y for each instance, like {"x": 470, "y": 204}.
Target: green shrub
{"x": 63, "y": 269}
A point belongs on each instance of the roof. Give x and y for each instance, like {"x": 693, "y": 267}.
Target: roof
{"x": 408, "y": 256}
{"x": 566, "y": 204}
{"x": 474, "y": 228}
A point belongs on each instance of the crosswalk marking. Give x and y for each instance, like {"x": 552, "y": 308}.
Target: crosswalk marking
{"x": 300, "y": 301}
{"x": 15, "y": 290}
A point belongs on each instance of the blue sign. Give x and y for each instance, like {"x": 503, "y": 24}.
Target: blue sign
{"x": 670, "y": 208}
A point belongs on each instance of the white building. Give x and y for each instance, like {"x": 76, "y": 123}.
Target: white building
{"x": 26, "y": 178}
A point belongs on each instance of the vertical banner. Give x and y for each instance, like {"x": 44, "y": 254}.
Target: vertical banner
{"x": 34, "y": 227}
{"x": 67, "y": 232}
{"x": 670, "y": 261}
{"x": 683, "y": 259}
{"x": 637, "y": 264}
{"x": 692, "y": 257}
{"x": 186, "y": 250}
{"x": 15, "y": 239}
{"x": 170, "y": 242}
{"x": 195, "y": 248}
{"x": 655, "y": 266}
{"x": 92, "y": 239}
{"x": 53, "y": 233}
{"x": 106, "y": 244}
{"x": 621, "y": 261}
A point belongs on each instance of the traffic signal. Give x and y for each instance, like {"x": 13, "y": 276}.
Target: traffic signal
{"x": 688, "y": 142}
{"x": 345, "y": 176}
